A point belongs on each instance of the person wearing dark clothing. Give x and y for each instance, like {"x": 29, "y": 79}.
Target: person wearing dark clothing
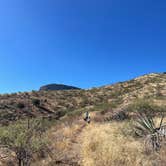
{"x": 87, "y": 117}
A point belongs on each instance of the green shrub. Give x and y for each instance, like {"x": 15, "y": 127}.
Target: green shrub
{"x": 118, "y": 116}
{"x": 145, "y": 106}
{"x": 25, "y": 138}
{"x": 20, "y": 105}
{"x": 36, "y": 102}
{"x": 102, "y": 107}
{"x": 60, "y": 114}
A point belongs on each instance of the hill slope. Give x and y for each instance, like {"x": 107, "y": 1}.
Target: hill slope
{"x": 71, "y": 141}
{"x": 58, "y": 103}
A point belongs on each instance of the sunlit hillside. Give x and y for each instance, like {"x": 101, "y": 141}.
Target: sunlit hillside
{"x": 46, "y": 128}
{"x": 68, "y": 102}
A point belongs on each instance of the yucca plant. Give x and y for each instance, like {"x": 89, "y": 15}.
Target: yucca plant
{"x": 147, "y": 128}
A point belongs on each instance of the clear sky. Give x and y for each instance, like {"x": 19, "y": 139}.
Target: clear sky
{"x": 85, "y": 43}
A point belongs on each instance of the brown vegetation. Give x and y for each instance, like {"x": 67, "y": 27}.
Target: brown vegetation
{"x": 109, "y": 140}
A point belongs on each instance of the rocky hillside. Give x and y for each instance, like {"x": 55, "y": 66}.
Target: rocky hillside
{"x": 70, "y": 102}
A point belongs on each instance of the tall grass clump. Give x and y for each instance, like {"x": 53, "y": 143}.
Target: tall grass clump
{"x": 106, "y": 145}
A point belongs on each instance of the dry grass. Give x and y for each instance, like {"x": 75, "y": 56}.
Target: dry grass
{"x": 61, "y": 138}
{"x": 105, "y": 144}
{"x": 101, "y": 144}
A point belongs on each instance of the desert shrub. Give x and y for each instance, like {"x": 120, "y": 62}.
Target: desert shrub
{"x": 103, "y": 112}
{"x": 145, "y": 106}
{"x": 7, "y": 116}
{"x": 159, "y": 91}
{"x": 20, "y": 105}
{"x": 76, "y": 112}
{"x": 116, "y": 93}
{"x": 36, "y": 102}
{"x": 116, "y": 102}
{"x": 118, "y": 116}
{"x": 85, "y": 101}
{"x": 153, "y": 134}
{"x": 60, "y": 114}
{"x": 24, "y": 139}
{"x": 102, "y": 107}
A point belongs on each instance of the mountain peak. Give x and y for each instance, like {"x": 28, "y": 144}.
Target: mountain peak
{"x": 57, "y": 87}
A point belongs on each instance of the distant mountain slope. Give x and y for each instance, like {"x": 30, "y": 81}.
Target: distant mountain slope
{"x": 57, "y": 87}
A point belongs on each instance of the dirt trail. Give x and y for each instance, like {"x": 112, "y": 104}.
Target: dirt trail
{"x": 75, "y": 148}
{"x": 73, "y": 155}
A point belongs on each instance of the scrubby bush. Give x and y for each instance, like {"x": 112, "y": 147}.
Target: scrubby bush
{"x": 36, "y": 102}
{"x": 60, "y": 114}
{"x": 118, "y": 116}
{"x": 159, "y": 91}
{"x": 121, "y": 115}
{"x": 24, "y": 138}
{"x": 102, "y": 107}
{"x": 20, "y": 105}
{"x": 145, "y": 106}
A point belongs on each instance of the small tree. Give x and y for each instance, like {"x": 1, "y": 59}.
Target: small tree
{"x": 20, "y": 105}
{"x": 23, "y": 139}
{"x": 36, "y": 102}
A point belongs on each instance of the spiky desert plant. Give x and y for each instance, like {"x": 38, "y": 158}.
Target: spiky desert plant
{"x": 147, "y": 128}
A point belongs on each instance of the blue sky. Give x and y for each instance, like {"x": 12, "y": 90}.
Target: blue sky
{"x": 83, "y": 43}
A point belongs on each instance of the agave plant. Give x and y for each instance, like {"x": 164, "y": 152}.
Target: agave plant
{"x": 154, "y": 135}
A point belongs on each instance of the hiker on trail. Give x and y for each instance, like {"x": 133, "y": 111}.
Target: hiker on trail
{"x": 87, "y": 117}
